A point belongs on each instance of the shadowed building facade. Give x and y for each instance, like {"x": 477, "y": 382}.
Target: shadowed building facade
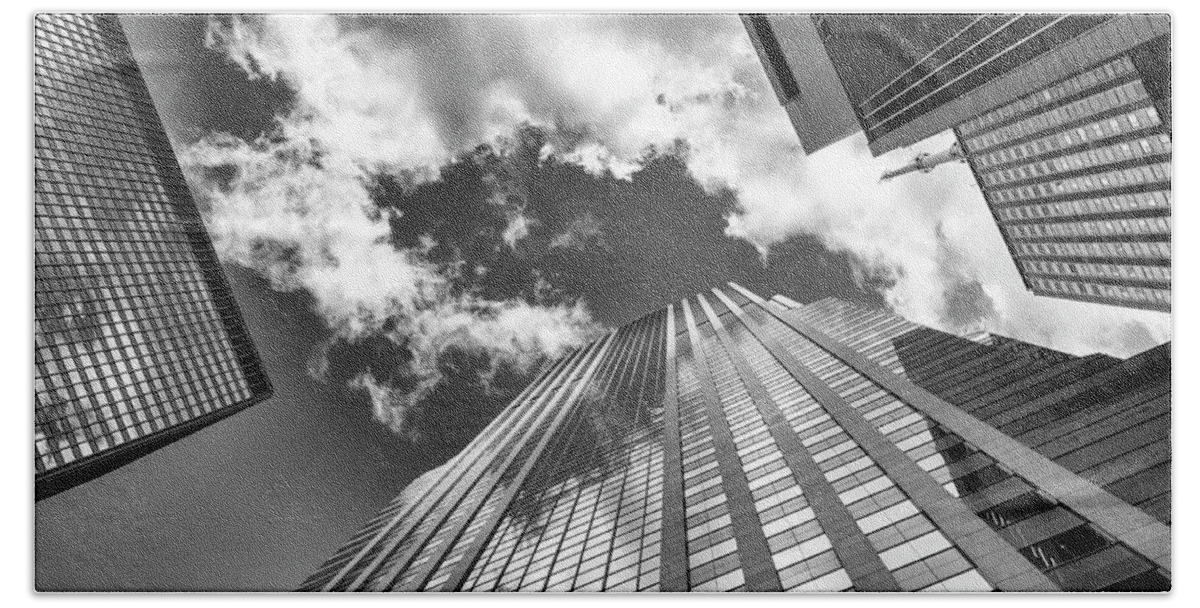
{"x": 901, "y": 78}
{"x": 734, "y": 443}
{"x": 137, "y": 339}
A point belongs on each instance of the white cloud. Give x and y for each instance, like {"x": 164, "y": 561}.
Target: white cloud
{"x": 582, "y": 230}
{"x": 517, "y": 334}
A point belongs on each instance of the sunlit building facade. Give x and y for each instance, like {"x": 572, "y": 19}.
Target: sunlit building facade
{"x": 901, "y": 78}
{"x": 732, "y": 443}
{"x": 1078, "y": 178}
{"x": 137, "y": 339}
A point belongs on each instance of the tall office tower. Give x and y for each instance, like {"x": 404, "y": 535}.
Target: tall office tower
{"x": 137, "y": 339}
{"x": 1078, "y": 178}
{"x": 902, "y": 78}
{"x": 734, "y": 443}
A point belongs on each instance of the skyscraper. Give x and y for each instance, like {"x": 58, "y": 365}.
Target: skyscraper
{"x": 1078, "y": 178}
{"x": 137, "y": 339}
{"x": 734, "y": 443}
{"x": 906, "y": 77}
{"x": 1065, "y": 121}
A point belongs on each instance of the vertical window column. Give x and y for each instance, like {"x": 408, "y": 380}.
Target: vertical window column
{"x": 754, "y": 552}
{"x": 862, "y": 563}
{"x": 673, "y": 576}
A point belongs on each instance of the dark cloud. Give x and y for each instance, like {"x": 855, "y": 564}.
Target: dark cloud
{"x": 967, "y": 304}
{"x": 1136, "y": 337}
{"x": 195, "y": 90}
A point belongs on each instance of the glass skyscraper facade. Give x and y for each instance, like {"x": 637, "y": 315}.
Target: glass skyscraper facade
{"x": 1078, "y": 178}
{"x": 906, "y": 77}
{"x": 137, "y": 339}
{"x": 732, "y": 443}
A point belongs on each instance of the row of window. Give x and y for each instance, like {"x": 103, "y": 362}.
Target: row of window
{"x": 134, "y": 270}
{"x": 1154, "y": 174}
{"x": 58, "y": 121}
{"x": 1104, "y": 101}
{"x": 105, "y": 153}
{"x": 121, "y": 293}
{"x": 1152, "y": 145}
{"x": 80, "y": 31}
{"x": 1110, "y": 71}
{"x": 89, "y": 93}
{"x": 1127, "y": 293}
{"x": 105, "y": 354}
{"x": 105, "y": 116}
{"x": 110, "y": 217}
{"x": 64, "y": 149}
{"x": 1135, "y": 250}
{"x": 1136, "y": 201}
{"x": 1092, "y": 228}
{"x": 1091, "y": 134}
{"x": 104, "y": 183}
{"x": 108, "y": 170}
{"x": 1110, "y": 271}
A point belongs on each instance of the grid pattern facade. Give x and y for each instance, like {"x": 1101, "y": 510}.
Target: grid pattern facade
{"x": 1078, "y": 177}
{"x": 1106, "y": 420}
{"x": 731, "y": 443}
{"x": 137, "y": 339}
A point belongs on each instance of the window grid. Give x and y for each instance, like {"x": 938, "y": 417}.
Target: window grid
{"x": 130, "y": 337}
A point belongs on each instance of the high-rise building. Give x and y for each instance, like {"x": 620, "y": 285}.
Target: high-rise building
{"x": 1078, "y": 178}
{"x": 734, "y": 443}
{"x": 901, "y": 78}
{"x": 137, "y": 339}
{"x": 1065, "y": 121}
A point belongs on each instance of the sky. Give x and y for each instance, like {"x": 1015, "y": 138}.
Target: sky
{"x": 417, "y": 212}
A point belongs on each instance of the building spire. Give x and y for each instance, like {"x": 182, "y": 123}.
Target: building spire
{"x": 925, "y": 162}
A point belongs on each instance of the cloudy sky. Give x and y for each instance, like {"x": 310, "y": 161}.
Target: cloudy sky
{"x": 418, "y": 211}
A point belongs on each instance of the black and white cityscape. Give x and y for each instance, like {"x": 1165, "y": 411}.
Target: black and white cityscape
{"x": 586, "y": 302}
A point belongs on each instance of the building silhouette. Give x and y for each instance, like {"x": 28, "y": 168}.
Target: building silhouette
{"x": 733, "y": 443}
{"x": 1065, "y": 121}
{"x": 137, "y": 341}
